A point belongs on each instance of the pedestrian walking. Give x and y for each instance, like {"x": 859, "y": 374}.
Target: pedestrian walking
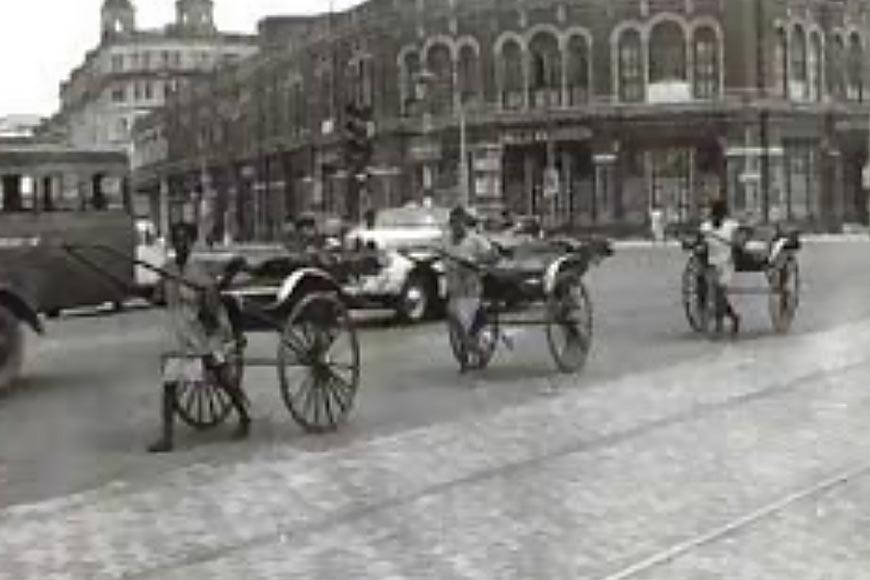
{"x": 720, "y": 231}
{"x": 657, "y": 224}
{"x": 199, "y": 334}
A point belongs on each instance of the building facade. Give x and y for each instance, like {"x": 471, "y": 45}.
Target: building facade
{"x": 133, "y": 71}
{"x": 589, "y": 113}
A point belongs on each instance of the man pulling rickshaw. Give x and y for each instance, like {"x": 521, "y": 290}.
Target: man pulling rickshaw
{"x": 199, "y": 332}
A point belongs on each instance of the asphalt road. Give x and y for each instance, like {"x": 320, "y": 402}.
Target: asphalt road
{"x": 658, "y": 414}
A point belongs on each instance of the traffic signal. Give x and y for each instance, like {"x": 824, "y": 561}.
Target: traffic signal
{"x": 358, "y": 150}
{"x": 358, "y": 137}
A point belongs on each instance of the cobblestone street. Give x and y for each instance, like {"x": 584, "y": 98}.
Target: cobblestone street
{"x": 743, "y": 459}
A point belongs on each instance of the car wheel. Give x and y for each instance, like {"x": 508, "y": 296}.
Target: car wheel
{"x": 415, "y": 300}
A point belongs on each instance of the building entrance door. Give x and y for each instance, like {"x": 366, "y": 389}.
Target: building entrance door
{"x": 671, "y": 182}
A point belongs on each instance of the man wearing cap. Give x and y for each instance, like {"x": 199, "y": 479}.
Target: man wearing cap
{"x": 199, "y": 334}
{"x": 465, "y": 249}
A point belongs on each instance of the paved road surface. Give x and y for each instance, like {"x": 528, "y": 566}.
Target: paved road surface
{"x": 671, "y": 457}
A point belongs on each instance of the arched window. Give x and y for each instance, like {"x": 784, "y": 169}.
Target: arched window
{"x": 856, "y": 69}
{"x": 578, "y": 70}
{"x": 814, "y": 68}
{"x": 706, "y": 56}
{"x": 631, "y": 72}
{"x": 780, "y": 62}
{"x": 513, "y": 83}
{"x": 469, "y": 74}
{"x": 837, "y": 67}
{"x": 545, "y": 84}
{"x": 798, "y": 64}
{"x": 360, "y": 76}
{"x": 667, "y": 56}
{"x": 409, "y": 70}
{"x": 439, "y": 63}
{"x": 325, "y": 92}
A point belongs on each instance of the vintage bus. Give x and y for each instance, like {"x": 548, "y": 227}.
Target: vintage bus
{"x": 37, "y": 276}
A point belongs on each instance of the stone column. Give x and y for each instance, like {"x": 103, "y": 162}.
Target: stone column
{"x": 567, "y": 197}
{"x": 529, "y": 179}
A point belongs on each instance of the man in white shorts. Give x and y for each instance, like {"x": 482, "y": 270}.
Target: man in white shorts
{"x": 200, "y": 336}
{"x": 720, "y": 232}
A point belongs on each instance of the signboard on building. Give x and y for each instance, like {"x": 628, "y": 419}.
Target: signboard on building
{"x": 669, "y": 92}
{"x": 551, "y": 182}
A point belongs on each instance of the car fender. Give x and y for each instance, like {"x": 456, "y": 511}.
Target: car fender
{"x": 777, "y": 249}
{"x": 552, "y": 273}
{"x": 21, "y": 309}
{"x": 297, "y": 278}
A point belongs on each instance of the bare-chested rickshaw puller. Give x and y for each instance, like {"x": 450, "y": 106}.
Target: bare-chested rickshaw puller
{"x": 199, "y": 333}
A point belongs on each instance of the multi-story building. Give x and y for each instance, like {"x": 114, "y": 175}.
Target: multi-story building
{"x": 592, "y": 112}
{"x": 133, "y": 71}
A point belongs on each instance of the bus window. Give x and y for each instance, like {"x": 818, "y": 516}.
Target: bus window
{"x": 107, "y": 193}
{"x": 17, "y": 194}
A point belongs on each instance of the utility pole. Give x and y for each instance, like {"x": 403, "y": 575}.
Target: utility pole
{"x": 761, "y": 74}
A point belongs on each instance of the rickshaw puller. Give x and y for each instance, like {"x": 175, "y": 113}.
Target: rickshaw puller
{"x": 200, "y": 332}
{"x": 465, "y": 282}
{"x": 721, "y": 234}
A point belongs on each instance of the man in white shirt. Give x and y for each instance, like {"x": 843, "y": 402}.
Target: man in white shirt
{"x": 720, "y": 232}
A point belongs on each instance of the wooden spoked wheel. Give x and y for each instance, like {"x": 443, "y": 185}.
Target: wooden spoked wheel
{"x": 569, "y": 323}
{"x": 11, "y": 347}
{"x": 203, "y": 404}
{"x": 318, "y": 363}
{"x": 476, "y": 355}
{"x": 695, "y": 293}
{"x": 785, "y": 285}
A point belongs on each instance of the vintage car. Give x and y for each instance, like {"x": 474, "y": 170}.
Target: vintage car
{"x": 150, "y": 249}
{"x": 415, "y": 290}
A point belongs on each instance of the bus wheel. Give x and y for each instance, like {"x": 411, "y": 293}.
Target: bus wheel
{"x": 11, "y": 347}
{"x": 53, "y": 314}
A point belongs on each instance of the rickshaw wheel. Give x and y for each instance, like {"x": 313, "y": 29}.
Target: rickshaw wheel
{"x": 11, "y": 347}
{"x": 318, "y": 363}
{"x": 204, "y": 404}
{"x": 784, "y": 279}
{"x": 694, "y": 292}
{"x": 487, "y": 341}
{"x": 569, "y": 323}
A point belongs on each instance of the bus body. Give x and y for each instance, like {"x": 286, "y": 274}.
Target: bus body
{"x": 34, "y": 265}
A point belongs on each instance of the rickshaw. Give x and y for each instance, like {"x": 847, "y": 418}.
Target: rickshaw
{"x": 542, "y": 276}
{"x": 774, "y": 256}
{"x": 317, "y": 356}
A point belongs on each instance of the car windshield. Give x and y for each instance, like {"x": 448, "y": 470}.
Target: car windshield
{"x": 412, "y": 217}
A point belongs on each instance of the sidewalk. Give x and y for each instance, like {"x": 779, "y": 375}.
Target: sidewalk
{"x": 805, "y": 238}
{"x": 585, "y": 484}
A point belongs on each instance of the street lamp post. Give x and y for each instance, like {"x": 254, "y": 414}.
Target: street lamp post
{"x": 464, "y": 170}
{"x": 761, "y": 75}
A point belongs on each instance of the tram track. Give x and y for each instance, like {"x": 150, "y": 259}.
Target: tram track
{"x": 694, "y": 413}
{"x": 736, "y": 525}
